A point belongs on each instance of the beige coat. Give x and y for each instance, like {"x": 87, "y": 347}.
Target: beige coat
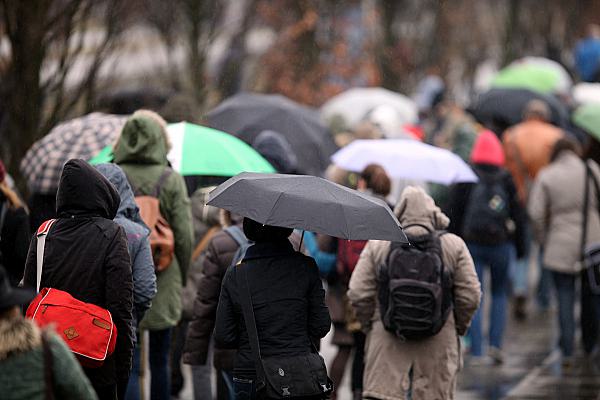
{"x": 434, "y": 361}
{"x": 556, "y": 211}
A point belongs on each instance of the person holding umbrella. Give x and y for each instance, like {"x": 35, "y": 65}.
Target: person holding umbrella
{"x": 272, "y": 303}
{"x": 288, "y": 299}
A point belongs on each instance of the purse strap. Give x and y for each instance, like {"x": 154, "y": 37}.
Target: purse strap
{"x": 250, "y": 321}
{"x": 589, "y": 175}
{"x": 42, "y": 233}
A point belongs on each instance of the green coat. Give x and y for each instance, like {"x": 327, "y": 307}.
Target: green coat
{"x": 142, "y": 153}
{"x": 22, "y": 365}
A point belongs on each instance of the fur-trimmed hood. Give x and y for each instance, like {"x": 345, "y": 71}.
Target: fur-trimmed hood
{"x": 18, "y": 335}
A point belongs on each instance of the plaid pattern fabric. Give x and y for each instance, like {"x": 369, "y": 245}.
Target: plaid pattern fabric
{"x": 78, "y": 138}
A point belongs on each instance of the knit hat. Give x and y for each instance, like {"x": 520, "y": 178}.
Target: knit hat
{"x": 487, "y": 150}
{"x": 258, "y": 232}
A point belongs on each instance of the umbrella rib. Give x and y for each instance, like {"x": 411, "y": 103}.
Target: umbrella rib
{"x": 273, "y": 207}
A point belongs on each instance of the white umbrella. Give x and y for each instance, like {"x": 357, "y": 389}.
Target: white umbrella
{"x": 353, "y": 105}
{"x": 586, "y": 92}
{"x": 406, "y": 159}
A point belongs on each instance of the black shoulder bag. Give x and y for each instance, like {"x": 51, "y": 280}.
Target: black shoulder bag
{"x": 282, "y": 377}
{"x": 590, "y": 254}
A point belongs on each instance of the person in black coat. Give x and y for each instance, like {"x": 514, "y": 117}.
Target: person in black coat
{"x": 287, "y": 297}
{"x": 86, "y": 255}
{"x": 14, "y": 230}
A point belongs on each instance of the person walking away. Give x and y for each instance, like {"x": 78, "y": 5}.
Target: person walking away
{"x": 587, "y": 55}
{"x": 425, "y": 368}
{"x": 527, "y": 147}
{"x": 14, "y": 230}
{"x": 556, "y": 209}
{"x": 374, "y": 181}
{"x": 287, "y": 298}
{"x": 141, "y": 152}
{"x": 207, "y": 223}
{"x": 86, "y": 256}
{"x": 216, "y": 258}
{"x": 142, "y": 265}
{"x": 489, "y": 217}
{"x": 34, "y": 364}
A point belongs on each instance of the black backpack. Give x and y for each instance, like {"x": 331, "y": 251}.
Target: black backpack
{"x": 487, "y": 215}
{"x": 415, "y": 288}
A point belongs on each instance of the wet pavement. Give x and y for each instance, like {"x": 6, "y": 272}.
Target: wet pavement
{"x": 532, "y": 368}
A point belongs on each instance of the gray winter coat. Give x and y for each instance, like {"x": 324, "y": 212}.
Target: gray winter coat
{"x": 556, "y": 211}
{"x": 128, "y": 216}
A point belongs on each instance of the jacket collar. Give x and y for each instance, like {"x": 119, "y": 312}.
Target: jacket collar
{"x": 17, "y": 335}
{"x": 269, "y": 249}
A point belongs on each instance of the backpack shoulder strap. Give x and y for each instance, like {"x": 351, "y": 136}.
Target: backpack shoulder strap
{"x": 42, "y": 232}
{"x": 161, "y": 182}
{"x": 237, "y": 234}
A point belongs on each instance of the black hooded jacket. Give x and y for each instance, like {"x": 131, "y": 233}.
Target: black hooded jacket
{"x": 86, "y": 255}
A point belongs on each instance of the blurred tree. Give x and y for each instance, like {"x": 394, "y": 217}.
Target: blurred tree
{"x": 45, "y": 75}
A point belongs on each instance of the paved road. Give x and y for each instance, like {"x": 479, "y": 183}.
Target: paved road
{"x": 532, "y": 369}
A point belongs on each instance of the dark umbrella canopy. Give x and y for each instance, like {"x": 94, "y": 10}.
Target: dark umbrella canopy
{"x": 246, "y": 115}
{"x": 498, "y": 109}
{"x": 308, "y": 203}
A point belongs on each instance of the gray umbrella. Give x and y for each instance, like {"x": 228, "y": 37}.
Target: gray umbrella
{"x": 308, "y": 203}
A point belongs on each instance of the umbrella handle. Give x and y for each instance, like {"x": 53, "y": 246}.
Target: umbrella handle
{"x": 301, "y": 240}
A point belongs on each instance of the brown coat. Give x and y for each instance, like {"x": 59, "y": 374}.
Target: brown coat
{"x": 527, "y": 147}
{"x": 434, "y": 361}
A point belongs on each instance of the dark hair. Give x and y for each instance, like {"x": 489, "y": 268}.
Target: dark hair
{"x": 377, "y": 179}
{"x": 258, "y": 232}
{"x": 565, "y": 144}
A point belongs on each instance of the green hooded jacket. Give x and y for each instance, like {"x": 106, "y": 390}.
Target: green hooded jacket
{"x": 142, "y": 153}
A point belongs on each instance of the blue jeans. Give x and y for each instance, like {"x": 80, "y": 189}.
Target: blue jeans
{"x": 565, "y": 293}
{"x": 544, "y": 284}
{"x": 244, "y": 389}
{"x": 160, "y": 375}
{"x": 497, "y": 257}
{"x": 519, "y": 271}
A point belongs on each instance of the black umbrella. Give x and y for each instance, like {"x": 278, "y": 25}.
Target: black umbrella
{"x": 308, "y": 203}
{"x": 499, "y": 109}
{"x": 248, "y": 114}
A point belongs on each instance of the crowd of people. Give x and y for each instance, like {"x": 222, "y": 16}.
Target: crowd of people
{"x": 176, "y": 287}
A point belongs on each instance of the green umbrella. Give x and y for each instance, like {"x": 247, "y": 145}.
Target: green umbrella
{"x": 198, "y": 150}
{"x": 587, "y": 117}
{"x": 539, "y": 78}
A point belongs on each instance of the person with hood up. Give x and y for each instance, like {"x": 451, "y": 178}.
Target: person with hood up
{"x": 141, "y": 151}
{"x": 35, "y": 364}
{"x": 288, "y": 301}
{"x": 427, "y": 368}
{"x": 142, "y": 265}
{"x": 276, "y": 149}
{"x": 556, "y": 210}
{"x": 490, "y": 218}
{"x": 86, "y": 255}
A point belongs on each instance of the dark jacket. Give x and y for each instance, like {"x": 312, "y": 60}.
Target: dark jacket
{"x": 215, "y": 261}
{"x": 138, "y": 244}
{"x": 288, "y": 301}
{"x": 459, "y": 199}
{"x": 14, "y": 239}
{"x": 86, "y": 255}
